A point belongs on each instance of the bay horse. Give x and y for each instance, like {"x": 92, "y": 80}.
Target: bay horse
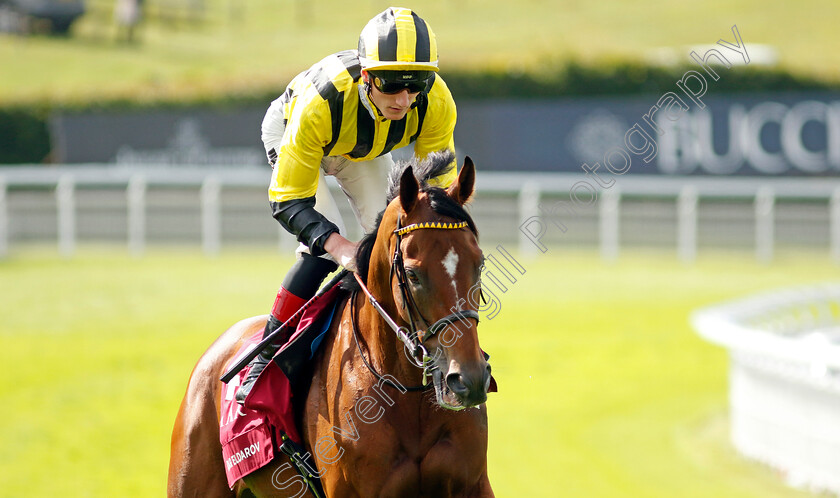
{"x": 370, "y": 433}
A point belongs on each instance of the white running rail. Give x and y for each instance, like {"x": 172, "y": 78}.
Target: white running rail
{"x": 784, "y": 379}
{"x": 533, "y": 191}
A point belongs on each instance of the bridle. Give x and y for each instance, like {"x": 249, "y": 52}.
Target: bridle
{"x": 420, "y": 356}
{"x": 408, "y": 302}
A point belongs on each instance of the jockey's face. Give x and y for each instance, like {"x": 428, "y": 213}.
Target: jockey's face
{"x": 392, "y": 105}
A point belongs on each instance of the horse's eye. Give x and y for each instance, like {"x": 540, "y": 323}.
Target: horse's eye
{"x": 412, "y": 276}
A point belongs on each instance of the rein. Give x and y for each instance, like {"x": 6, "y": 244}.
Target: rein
{"x": 420, "y": 355}
{"x": 399, "y": 333}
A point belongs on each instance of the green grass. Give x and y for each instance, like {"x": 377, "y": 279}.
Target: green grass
{"x": 270, "y": 41}
{"x": 604, "y": 390}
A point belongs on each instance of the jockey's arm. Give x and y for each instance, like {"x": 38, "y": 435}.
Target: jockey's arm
{"x": 343, "y": 250}
{"x": 300, "y": 218}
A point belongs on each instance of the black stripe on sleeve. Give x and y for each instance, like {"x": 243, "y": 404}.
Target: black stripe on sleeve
{"x": 285, "y": 99}
{"x": 326, "y": 88}
{"x": 335, "y": 99}
{"x": 387, "y": 37}
{"x": 423, "y": 49}
{"x": 287, "y": 95}
{"x": 350, "y": 59}
{"x": 365, "y": 129}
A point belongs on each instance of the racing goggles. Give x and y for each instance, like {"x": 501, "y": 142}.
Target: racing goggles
{"x": 391, "y": 82}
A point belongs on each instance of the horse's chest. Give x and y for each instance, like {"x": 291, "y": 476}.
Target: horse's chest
{"x": 397, "y": 450}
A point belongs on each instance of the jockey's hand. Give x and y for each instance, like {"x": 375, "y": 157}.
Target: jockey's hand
{"x": 342, "y": 250}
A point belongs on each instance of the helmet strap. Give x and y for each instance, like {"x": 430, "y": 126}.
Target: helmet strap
{"x": 367, "y": 95}
{"x": 366, "y": 78}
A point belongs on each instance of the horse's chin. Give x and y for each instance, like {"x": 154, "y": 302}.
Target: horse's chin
{"x": 444, "y": 396}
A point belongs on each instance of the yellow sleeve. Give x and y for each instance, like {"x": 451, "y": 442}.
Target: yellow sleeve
{"x": 438, "y": 128}
{"x": 308, "y": 130}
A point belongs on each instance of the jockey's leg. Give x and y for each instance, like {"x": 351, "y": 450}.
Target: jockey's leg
{"x": 300, "y": 284}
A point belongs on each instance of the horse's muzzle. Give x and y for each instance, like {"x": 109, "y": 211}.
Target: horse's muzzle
{"x": 470, "y": 389}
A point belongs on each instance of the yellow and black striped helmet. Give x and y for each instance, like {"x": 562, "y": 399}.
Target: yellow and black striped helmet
{"x": 398, "y": 39}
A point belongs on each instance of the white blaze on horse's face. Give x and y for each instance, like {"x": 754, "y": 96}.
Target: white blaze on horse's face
{"x": 450, "y": 264}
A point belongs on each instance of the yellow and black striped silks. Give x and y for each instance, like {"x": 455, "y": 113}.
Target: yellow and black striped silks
{"x": 398, "y": 39}
{"x": 327, "y": 113}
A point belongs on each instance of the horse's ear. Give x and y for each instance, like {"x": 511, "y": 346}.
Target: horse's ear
{"x": 408, "y": 190}
{"x": 462, "y": 189}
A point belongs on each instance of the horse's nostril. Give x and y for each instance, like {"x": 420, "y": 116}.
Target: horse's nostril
{"x": 487, "y": 378}
{"x": 456, "y": 384}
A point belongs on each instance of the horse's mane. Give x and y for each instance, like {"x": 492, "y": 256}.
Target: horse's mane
{"x": 434, "y": 165}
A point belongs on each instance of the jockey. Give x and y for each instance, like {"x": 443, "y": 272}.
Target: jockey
{"x": 342, "y": 117}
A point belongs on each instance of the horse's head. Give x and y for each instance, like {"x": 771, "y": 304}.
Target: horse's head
{"x": 427, "y": 251}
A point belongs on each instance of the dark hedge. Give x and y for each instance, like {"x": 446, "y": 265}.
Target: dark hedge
{"x": 24, "y": 136}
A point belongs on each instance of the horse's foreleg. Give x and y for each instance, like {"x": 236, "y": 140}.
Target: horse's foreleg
{"x": 482, "y": 489}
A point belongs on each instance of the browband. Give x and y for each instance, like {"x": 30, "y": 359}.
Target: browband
{"x": 429, "y": 224}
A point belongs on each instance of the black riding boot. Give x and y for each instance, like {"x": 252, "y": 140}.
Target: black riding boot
{"x": 260, "y": 361}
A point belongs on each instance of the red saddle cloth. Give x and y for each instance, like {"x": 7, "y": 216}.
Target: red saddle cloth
{"x": 246, "y": 435}
{"x": 249, "y": 434}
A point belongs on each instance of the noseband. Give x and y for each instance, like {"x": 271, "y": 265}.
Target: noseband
{"x": 420, "y": 355}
